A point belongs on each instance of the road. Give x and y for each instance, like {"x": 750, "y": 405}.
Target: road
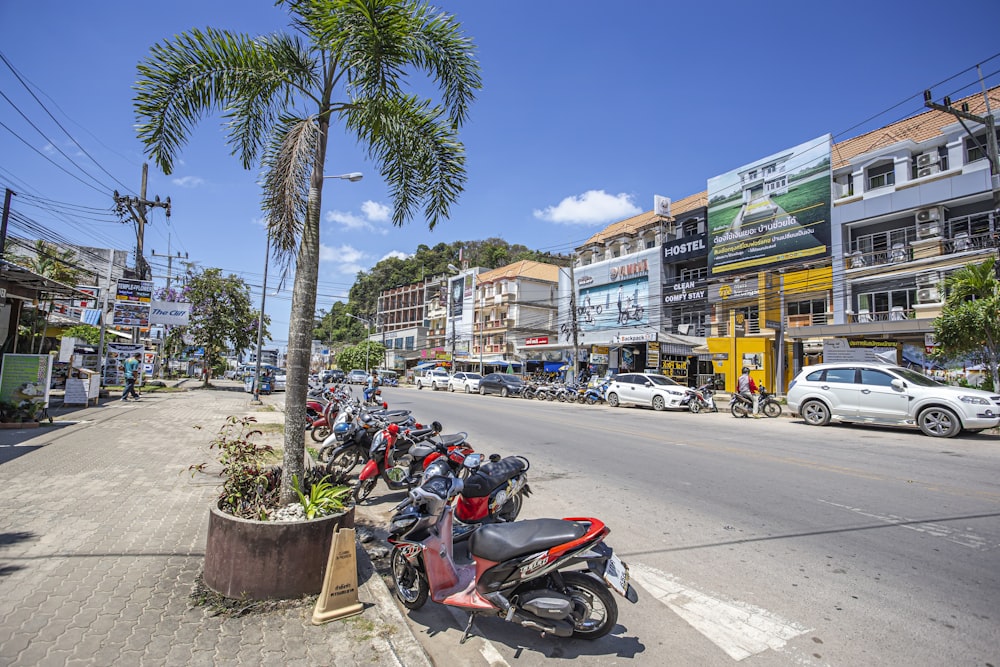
{"x": 765, "y": 542}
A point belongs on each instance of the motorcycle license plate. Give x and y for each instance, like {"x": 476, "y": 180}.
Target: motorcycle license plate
{"x": 616, "y": 575}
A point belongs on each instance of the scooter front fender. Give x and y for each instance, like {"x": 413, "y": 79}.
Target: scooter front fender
{"x": 370, "y": 470}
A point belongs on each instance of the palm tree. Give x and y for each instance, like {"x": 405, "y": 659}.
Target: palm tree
{"x": 346, "y": 64}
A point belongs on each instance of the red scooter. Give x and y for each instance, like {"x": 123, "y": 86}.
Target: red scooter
{"x": 519, "y": 571}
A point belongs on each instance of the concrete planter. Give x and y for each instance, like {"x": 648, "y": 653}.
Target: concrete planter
{"x": 268, "y": 560}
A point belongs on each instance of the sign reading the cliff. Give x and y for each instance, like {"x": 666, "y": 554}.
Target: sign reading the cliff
{"x": 771, "y": 212}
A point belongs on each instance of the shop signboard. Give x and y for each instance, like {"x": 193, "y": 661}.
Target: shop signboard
{"x": 176, "y": 313}
{"x": 26, "y": 377}
{"x": 841, "y": 350}
{"x": 132, "y": 302}
{"x": 537, "y": 340}
{"x": 685, "y": 290}
{"x": 652, "y": 355}
{"x": 772, "y": 211}
{"x": 688, "y": 247}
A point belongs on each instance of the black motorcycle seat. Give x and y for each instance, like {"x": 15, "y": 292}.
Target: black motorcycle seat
{"x": 501, "y": 541}
{"x": 452, "y": 439}
{"x": 491, "y": 475}
{"x": 397, "y": 419}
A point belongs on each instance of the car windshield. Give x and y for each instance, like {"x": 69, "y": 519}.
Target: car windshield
{"x": 473, "y": 376}
{"x": 662, "y": 380}
{"x": 914, "y": 377}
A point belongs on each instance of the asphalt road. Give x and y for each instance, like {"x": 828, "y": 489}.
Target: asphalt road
{"x": 766, "y": 542}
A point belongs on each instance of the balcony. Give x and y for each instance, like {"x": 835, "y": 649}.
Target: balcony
{"x": 895, "y": 314}
{"x": 897, "y": 254}
{"x": 807, "y": 320}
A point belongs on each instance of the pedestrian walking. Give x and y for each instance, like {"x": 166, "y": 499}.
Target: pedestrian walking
{"x": 131, "y": 376}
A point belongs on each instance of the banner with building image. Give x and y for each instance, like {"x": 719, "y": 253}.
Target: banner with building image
{"x": 772, "y": 211}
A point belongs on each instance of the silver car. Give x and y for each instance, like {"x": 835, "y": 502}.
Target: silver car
{"x": 871, "y": 393}
{"x": 651, "y": 389}
{"x": 467, "y": 382}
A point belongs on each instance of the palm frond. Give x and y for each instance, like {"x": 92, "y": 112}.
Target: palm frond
{"x": 247, "y": 79}
{"x": 287, "y": 165}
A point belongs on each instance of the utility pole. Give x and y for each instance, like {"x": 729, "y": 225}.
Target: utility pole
{"x": 962, "y": 115}
{"x": 137, "y": 206}
{"x": 3, "y": 225}
{"x": 572, "y": 309}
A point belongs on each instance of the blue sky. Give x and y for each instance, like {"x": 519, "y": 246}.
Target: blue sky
{"x": 588, "y": 110}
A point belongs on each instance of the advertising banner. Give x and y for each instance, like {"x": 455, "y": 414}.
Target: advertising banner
{"x": 772, "y": 211}
{"x": 457, "y": 294}
{"x": 132, "y": 301}
{"x": 170, "y": 312}
{"x": 614, "y": 305}
{"x": 114, "y": 370}
{"x": 26, "y": 377}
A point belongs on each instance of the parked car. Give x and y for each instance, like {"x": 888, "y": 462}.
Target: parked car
{"x": 467, "y": 382}
{"x": 873, "y": 393}
{"x": 501, "y": 383}
{"x": 334, "y": 376}
{"x": 650, "y": 389}
{"x": 357, "y": 376}
{"x": 435, "y": 378}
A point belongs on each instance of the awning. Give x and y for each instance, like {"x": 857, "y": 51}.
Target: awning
{"x": 424, "y": 365}
{"x": 501, "y": 362}
{"x": 554, "y": 366}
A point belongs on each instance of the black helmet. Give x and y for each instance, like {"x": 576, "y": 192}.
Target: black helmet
{"x": 746, "y": 370}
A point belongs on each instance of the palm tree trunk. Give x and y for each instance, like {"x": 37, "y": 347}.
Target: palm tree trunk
{"x": 300, "y": 328}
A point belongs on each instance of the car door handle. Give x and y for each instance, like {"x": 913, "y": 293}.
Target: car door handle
{"x": 825, "y": 387}
{"x": 866, "y": 391}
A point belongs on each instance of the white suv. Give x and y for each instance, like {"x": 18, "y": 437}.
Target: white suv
{"x": 871, "y": 393}
{"x": 435, "y": 378}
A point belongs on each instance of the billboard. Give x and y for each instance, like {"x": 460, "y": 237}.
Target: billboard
{"x": 614, "y": 305}
{"x": 457, "y": 293}
{"x": 772, "y": 211}
{"x": 176, "y": 313}
{"x": 132, "y": 301}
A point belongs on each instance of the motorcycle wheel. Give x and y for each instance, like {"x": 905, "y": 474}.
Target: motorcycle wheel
{"x": 694, "y": 406}
{"x": 739, "y": 410}
{"x": 511, "y": 508}
{"x": 347, "y": 460}
{"x": 591, "y": 400}
{"x": 772, "y": 409}
{"x": 364, "y": 489}
{"x": 320, "y": 433}
{"x": 595, "y": 611}
{"x": 408, "y": 582}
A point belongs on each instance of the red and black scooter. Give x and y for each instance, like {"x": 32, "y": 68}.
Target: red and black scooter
{"x": 551, "y": 575}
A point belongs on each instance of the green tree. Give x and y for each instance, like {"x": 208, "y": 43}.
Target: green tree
{"x": 84, "y": 332}
{"x": 222, "y": 315}
{"x": 51, "y": 261}
{"x": 969, "y": 325}
{"x": 366, "y": 354}
{"x": 349, "y": 63}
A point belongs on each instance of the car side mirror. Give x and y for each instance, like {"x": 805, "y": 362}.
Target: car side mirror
{"x": 898, "y": 384}
{"x": 648, "y": 383}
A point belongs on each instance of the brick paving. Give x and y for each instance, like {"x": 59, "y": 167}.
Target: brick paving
{"x": 102, "y": 536}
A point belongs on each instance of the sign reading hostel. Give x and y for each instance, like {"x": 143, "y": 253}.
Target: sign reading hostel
{"x": 770, "y": 212}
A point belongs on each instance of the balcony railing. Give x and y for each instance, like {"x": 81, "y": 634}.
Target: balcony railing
{"x": 895, "y": 314}
{"x": 963, "y": 242}
{"x": 895, "y": 255}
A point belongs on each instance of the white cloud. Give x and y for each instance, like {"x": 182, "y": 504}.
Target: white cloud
{"x": 375, "y": 211}
{"x": 397, "y": 254}
{"x": 351, "y": 222}
{"x": 593, "y": 207}
{"x": 347, "y": 258}
{"x": 188, "y": 182}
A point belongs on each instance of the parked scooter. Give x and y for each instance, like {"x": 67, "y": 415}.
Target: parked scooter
{"x": 551, "y": 575}
{"x": 702, "y": 398}
{"x": 742, "y": 406}
{"x": 596, "y": 394}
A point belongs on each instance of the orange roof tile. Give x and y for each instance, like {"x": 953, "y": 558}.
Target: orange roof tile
{"x": 523, "y": 269}
{"x": 917, "y": 128}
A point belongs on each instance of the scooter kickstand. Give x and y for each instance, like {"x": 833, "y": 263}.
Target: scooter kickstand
{"x": 468, "y": 628}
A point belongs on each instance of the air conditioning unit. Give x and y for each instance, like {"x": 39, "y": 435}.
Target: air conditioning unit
{"x": 927, "y": 159}
{"x": 932, "y": 214}
{"x": 927, "y": 295}
{"x": 928, "y": 170}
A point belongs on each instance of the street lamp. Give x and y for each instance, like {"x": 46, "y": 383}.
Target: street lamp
{"x": 368, "y": 342}
{"x": 451, "y": 317}
{"x": 353, "y": 177}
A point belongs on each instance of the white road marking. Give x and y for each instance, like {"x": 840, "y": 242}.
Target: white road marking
{"x": 738, "y": 628}
{"x": 964, "y": 538}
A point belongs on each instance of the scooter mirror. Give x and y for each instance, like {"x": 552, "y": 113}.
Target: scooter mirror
{"x": 473, "y": 460}
{"x": 436, "y": 425}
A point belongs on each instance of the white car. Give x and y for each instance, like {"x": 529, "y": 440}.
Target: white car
{"x": 467, "y": 382}
{"x": 871, "y": 393}
{"x": 651, "y": 389}
{"x": 435, "y": 378}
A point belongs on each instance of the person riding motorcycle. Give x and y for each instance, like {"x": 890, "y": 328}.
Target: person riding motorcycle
{"x": 372, "y": 386}
{"x": 746, "y": 387}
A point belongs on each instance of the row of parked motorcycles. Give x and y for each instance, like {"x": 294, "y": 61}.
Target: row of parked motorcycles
{"x": 456, "y": 538}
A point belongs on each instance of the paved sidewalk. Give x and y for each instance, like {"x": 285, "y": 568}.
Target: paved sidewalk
{"x": 102, "y": 535}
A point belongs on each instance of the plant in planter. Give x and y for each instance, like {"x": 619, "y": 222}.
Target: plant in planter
{"x": 248, "y": 553}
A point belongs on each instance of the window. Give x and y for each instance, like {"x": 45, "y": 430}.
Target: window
{"x": 817, "y": 306}
{"x": 690, "y": 275}
{"x": 840, "y": 375}
{"x": 975, "y": 149}
{"x": 881, "y": 176}
{"x": 874, "y": 377}
{"x": 409, "y": 342}
{"x": 815, "y": 376}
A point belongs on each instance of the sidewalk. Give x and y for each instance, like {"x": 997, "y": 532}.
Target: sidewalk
{"x": 102, "y": 536}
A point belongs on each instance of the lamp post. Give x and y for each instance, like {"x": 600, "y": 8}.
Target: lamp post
{"x": 368, "y": 342}
{"x": 451, "y": 318}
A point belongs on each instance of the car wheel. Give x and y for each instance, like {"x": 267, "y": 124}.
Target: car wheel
{"x": 420, "y": 385}
{"x": 504, "y": 392}
{"x": 658, "y": 403}
{"x": 613, "y": 400}
{"x": 815, "y": 413}
{"x": 482, "y": 390}
{"x": 939, "y": 422}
